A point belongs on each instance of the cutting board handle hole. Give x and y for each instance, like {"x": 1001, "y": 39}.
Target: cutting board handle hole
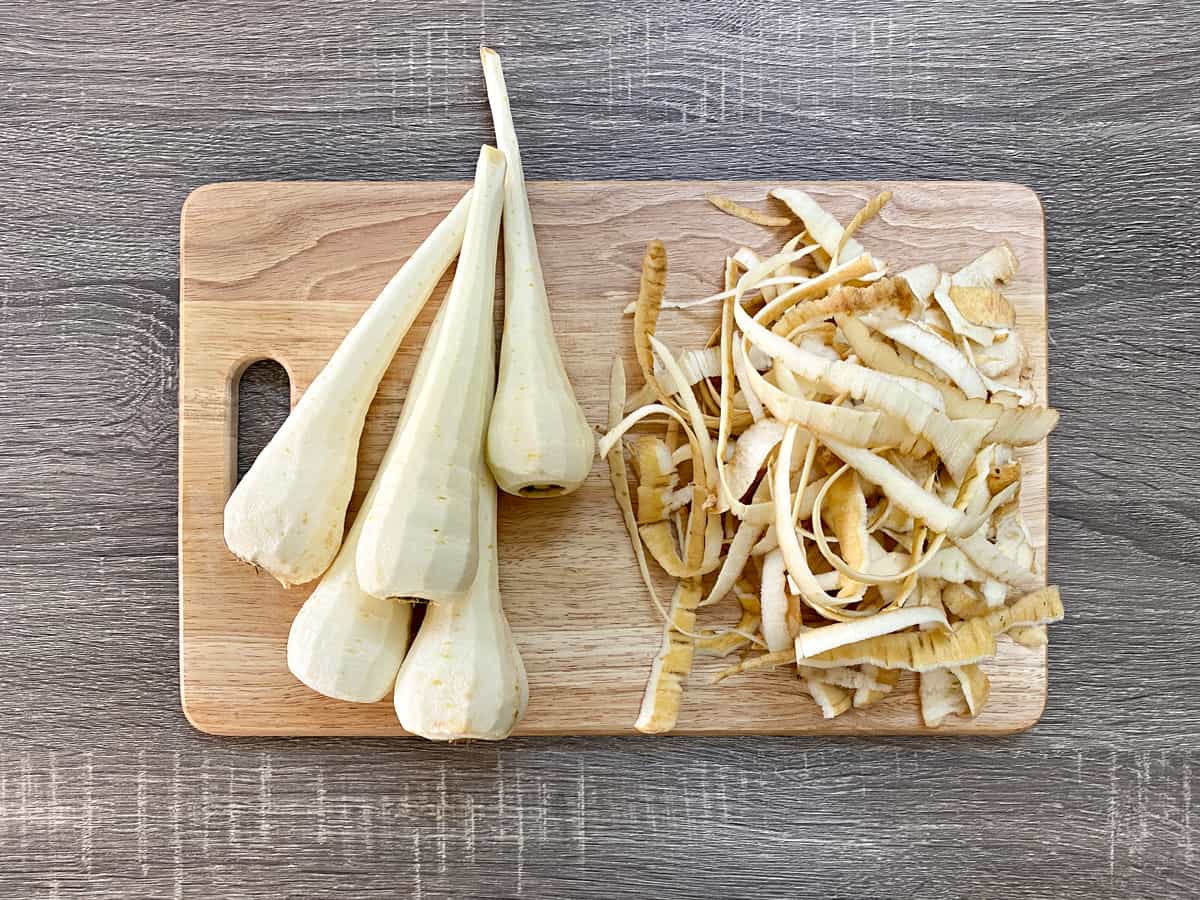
{"x": 263, "y": 401}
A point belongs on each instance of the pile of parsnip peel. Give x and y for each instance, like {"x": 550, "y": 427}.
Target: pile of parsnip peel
{"x": 839, "y": 458}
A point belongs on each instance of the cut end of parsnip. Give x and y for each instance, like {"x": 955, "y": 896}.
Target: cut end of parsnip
{"x": 539, "y": 445}
{"x": 543, "y": 490}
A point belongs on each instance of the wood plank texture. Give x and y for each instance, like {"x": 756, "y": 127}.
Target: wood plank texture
{"x": 112, "y": 112}
{"x": 283, "y": 270}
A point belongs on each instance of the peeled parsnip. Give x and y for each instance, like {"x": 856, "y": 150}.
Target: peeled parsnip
{"x": 420, "y": 536}
{"x": 344, "y": 643}
{"x": 463, "y": 677}
{"x": 288, "y": 513}
{"x": 539, "y": 443}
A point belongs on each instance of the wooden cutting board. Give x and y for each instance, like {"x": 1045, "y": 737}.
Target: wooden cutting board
{"x": 281, "y": 270}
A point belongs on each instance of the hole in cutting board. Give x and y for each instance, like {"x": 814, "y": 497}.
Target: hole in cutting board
{"x": 263, "y": 402}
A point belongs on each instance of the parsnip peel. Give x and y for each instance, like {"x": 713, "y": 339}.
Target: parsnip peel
{"x": 848, "y": 437}
{"x": 664, "y": 691}
{"x": 746, "y": 214}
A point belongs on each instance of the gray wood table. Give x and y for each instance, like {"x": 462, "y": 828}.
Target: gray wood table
{"x": 110, "y": 112}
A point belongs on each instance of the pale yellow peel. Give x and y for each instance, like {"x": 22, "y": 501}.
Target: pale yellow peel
{"x": 872, "y": 406}
{"x": 832, "y": 700}
{"x": 664, "y": 690}
{"x": 841, "y": 299}
{"x": 815, "y": 289}
{"x": 620, "y": 481}
{"x": 975, "y": 686}
{"x": 1031, "y": 636}
{"x": 885, "y": 678}
{"x": 869, "y": 211}
{"x": 983, "y": 306}
{"x": 941, "y": 696}
{"x": 738, "y": 637}
{"x": 848, "y": 519}
{"x": 746, "y": 214}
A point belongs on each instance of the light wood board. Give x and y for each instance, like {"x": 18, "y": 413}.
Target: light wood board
{"x": 281, "y": 270}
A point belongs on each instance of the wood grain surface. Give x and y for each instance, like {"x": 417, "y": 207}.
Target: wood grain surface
{"x": 111, "y": 113}
{"x": 283, "y": 270}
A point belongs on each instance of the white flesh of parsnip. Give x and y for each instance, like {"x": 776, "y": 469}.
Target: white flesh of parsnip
{"x": 288, "y": 513}
{"x": 539, "y": 443}
{"x": 420, "y": 536}
{"x": 344, "y": 643}
{"x": 463, "y": 677}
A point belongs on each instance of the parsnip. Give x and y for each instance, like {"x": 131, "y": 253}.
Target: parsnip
{"x": 344, "y": 643}
{"x": 420, "y": 537}
{"x": 288, "y": 513}
{"x": 463, "y": 677}
{"x": 539, "y": 443}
